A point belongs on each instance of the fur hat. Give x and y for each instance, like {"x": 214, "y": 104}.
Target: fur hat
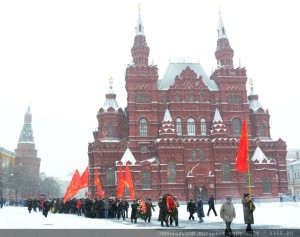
{"x": 246, "y": 195}
{"x": 229, "y": 198}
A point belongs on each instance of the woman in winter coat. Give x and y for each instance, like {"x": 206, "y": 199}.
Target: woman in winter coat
{"x": 227, "y": 213}
{"x": 200, "y": 211}
{"x": 248, "y": 207}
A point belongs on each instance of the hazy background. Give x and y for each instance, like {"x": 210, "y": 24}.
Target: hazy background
{"x": 59, "y": 55}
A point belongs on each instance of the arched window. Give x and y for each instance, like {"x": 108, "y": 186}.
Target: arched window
{"x": 138, "y": 98}
{"x": 143, "y": 128}
{"x": 191, "y": 127}
{"x": 226, "y": 171}
{"x": 177, "y": 98}
{"x": 201, "y": 97}
{"x": 203, "y": 126}
{"x": 171, "y": 172}
{"x": 110, "y": 176}
{"x": 146, "y": 180}
{"x": 110, "y": 131}
{"x": 266, "y": 185}
{"x": 193, "y": 154}
{"x": 179, "y": 127}
{"x": 236, "y": 127}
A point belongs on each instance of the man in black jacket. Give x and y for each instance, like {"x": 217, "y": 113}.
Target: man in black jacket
{"x": 191, "y": 208}
{"x": 211, "y": 204}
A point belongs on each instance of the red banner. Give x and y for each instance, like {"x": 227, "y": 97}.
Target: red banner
{"x": 98, "y": 185}
{"x": 242, "y": 156}
{"x": 73, "y": 187}
{"x": 129, "y": 182}
{"x": 120, "y": 191}
{"x": 85, "y": 179}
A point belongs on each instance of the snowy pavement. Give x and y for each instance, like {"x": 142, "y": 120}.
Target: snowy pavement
{"x": 266, "y": 216}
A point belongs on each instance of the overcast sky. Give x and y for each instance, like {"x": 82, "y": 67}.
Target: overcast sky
{"x": 59, "y": 55}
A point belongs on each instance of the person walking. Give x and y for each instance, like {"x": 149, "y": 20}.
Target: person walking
{"x": 79, "y": 207}
{"x": 191, "y": 208}
{"x": 227, "y": 213}
{"x": 133, "y": 216}
{"x": 248, "y": 208}
{"x": 211, "y": 204}
{"x": 175, "y": 217}
{"x": 200, "y": 211}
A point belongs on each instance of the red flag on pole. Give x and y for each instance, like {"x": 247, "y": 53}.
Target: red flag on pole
{"x": 129, "y": 182}
{"x": 120, "y": 191}
{"x": 85, "y": 179}
{"x": 98, "y": 185}
{"x": 242, "y": 156}
{"x": 73, "y": 187}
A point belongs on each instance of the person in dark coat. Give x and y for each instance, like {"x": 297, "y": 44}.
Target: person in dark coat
{"x": 191, "y": 208}
{"x": 46, "y": 207}
{"x": 211, "y": 204}
{"x": 134, "y": 207}
{"x": 162, "y": 213}
{"x": 150, "y": 207}
{"x": 126, "y": 206}
{"x": 200, "y": 211}
{"x": 248, "y": 207}
{"x": 29, "y": 205}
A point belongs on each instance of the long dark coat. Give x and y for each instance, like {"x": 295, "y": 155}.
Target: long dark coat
{"x": 200, "y": 211}
{"x": 248, "y": 213}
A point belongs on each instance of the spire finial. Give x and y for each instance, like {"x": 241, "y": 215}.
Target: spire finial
{"x": 219, "y": 11}
{"x": 139, "y": 8}
{"x": 250, "y": 82}
{"x": 110, "y": 81}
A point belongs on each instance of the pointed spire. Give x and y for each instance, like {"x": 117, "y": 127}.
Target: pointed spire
{"x": 218, "y": 129}
{"x": 26, "y": 135}
{"x": 224, "y": 53}
{"x": 217, "y": 117}
{"x": 167, "y": 128}
{"x": 139, "y": 29}
{"x": 140, "y": 50}
{"x": 221, "y": 29}
{"x": 128, "y": 156}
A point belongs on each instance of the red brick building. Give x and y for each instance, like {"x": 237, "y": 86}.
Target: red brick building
{"x": 181, "y": 133}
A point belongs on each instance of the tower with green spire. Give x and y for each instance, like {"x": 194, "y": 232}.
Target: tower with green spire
{"x": 26, "y": 154}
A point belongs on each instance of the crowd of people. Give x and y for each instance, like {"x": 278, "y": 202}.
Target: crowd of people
{"x": 118, "y": 208}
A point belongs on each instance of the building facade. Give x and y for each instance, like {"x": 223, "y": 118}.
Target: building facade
{"x": 293, "y": 170}
{"x": 180, "y": 134}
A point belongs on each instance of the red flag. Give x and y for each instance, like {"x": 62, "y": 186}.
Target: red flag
{"x": 73, "y": 187}
{"x": 85, "y": 179}
{"x": 98, "y": 185}
{"x": 128, "y": 179}
{"x": 242, "y": 156}
{"x": 48, "y": 194}
{"x": 37, "y": 196}
{"x": 120, "y": 191}
{"x": 86, "y": 194}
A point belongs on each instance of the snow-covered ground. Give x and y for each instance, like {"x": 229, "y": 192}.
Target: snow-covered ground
{"x": 266, "y": 215}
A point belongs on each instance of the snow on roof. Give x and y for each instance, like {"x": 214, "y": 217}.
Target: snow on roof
{"x": 174, "y": 69}
{"x": 260, "y": 156}
{"x": 151, "y": 160}
{"x": 221, "y": 29}
{"x": 167, "y": 117}
{"x": 128, "y": 157}
{"x": 217, "y": 117}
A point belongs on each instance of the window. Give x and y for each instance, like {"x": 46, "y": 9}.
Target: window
{"x": 178, "y": 127}
{"x": 202, "y": 154}
{"x": 189, "y": 98}
{"x": 251, "y": 179}
{"x": 177, "y": 98}
{"x": 164, "y": 99}
{"x": 171, "y": 172}
{"x": 143, "y": 128}
{"x": 266, "y": 185}
{"x": 146, "y": 179}
{"x": 201, "y": 97}
{"x": 144, "y": 149}
{"x": 226, "y": 171}
{"x": 193, "y": 154}
{"x": 110, "y": 131}
{"x": 191, "y": 127}
{"x": 262, "y": 130}
{"x": 236, "y": 127}
{"x": 110, "y": 176}
{"x": 203, "y": 126}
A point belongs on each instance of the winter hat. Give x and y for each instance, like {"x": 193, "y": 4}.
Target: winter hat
{"x": 246, "y": 195}
{"x": 229, "y": 198}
